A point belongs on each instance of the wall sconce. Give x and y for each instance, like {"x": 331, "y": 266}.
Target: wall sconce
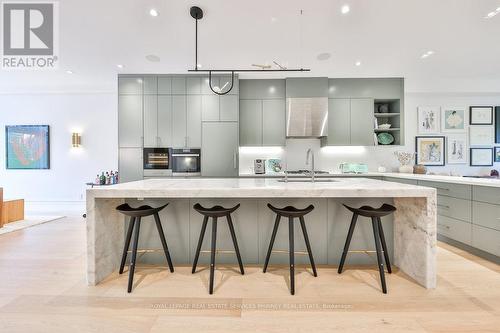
{"x": 76, "y": 140}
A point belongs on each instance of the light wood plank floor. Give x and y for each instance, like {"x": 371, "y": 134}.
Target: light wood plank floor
{"x": 43, "y": 289}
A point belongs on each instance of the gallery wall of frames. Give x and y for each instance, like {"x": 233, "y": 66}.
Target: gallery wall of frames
{"x": 458, "y": 135}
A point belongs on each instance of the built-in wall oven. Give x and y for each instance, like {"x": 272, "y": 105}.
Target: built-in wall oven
{"x": 157, "y": 162}
{"x": 186, "y": 162}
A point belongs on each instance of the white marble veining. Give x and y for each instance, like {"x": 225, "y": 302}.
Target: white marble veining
{"x": 257, "y": 188}
{"x": 414, "y": 221}
{"x": 492, "y": 182}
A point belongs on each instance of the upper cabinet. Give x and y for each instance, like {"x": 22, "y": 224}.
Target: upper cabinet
{"x": 130, "y": 133}
{"x": 262, "y": 113}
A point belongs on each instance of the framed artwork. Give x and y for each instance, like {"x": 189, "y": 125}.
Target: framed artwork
{"x": 497, "y": 154}
{"x": 428, "y": 119}
{"x": 481, "y": 115}
{"x": 481, "y": 135}
{"x": 481, "y": 156}
{"x": 430, "y": 150}
{"x": 456, "y": 149}
{"x": 453, "y": 119}
{"x": 497, "y": 124}
{"x": 27, "y": 147}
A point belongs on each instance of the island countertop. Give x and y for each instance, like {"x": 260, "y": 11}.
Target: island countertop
{"x": 259, "y": 187}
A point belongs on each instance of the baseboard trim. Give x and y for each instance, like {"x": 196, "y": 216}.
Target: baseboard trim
{"x": 475, "y": 251}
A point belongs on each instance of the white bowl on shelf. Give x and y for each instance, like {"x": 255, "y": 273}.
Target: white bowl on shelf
{"x": 384, "y": 126}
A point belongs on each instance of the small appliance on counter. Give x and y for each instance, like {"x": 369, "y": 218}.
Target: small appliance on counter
{"x": 259, "y": 166}
{"x": 353, "y": 168}
{"x": 186, "y": 162}
{"x": 156, "y": 162}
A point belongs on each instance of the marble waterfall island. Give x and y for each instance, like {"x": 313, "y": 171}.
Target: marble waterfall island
{"x": 410, "y": 232}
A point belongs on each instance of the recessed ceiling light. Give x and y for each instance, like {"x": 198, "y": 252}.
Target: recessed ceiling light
{"x": 345, "y": 9}
{"x": 69, "y": 72}
{"x": 498, "y": 9}
{"x": 358, "y": 63}
{"x": 153, "y": 12}
{"x": 119, "y": 66}
{"x": 273, "y": 19}
{"x": 324, "y": 56}
{"x": 153, "y": 58}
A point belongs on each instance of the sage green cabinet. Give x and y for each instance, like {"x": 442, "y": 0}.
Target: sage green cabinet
{"x": 164, "y": 121}
{"x": 219, "y": 156}
{"x": 362, "y": 122}
{"x": 350, "y": 122}
{"x": 251, "y": 122}
{"x": 229, "y": 107}
{"x": 210, "y": 107}
{"x": 273, "y": 122}
{"x": 339, "y": 122}
{"x": 262, "y": 122}
{"x": 179, "y": 119}
{"x": 130, "y": 85}
{"x": 150, "y": 85}
{"x": 130, "y": 125}
{"x": 193, "y": 123}
{"x": 151, "y": 121}
{"x": 130, "y": 164}
{"x": 165, "y": 85}
{"x": 178, "y": 85}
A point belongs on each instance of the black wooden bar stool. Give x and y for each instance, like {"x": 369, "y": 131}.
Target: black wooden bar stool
{"x": 215, "y": 212}
{"x": 378, "y": 233}
{"x": 136, "y": 215}
{"x": 291, "y": 213}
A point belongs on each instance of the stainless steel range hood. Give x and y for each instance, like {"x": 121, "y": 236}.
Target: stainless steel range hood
{"x": 306, "y": 107}
{"x": 306, "y": 117}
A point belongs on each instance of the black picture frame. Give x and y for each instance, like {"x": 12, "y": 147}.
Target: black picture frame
{"x": 497, "y": 124}
{"x": 471, "y": 157}
{"x": 9, "y": 128}
{"x": 497, "y": 154}
{"x": 489, "y": 108}
{"x": 443, "y": 138}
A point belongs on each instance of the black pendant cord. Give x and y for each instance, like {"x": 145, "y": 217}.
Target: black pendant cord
{"x": 196, "y": 47}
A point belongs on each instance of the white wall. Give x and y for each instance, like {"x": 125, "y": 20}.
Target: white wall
{"x": 329, "y": 158}
{"x": 94, "y": 115}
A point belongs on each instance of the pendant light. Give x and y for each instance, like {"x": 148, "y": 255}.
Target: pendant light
{"x": 197, "y": 14}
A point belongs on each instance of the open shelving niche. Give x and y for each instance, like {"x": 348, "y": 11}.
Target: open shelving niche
{"x": 391, "y": 114}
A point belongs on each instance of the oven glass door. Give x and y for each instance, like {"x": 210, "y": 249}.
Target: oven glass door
{"x": 156, "y": 158}
{"x": 186, "y": 162}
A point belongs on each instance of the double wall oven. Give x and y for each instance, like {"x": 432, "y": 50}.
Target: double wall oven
{"x": 167, "y": 162}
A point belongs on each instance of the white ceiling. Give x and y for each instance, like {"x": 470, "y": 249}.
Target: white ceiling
{"x": 387, "y": 36}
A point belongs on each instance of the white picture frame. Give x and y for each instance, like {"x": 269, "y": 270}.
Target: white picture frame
{"x": 481, "y": 157}
{"x": 454, "y": 119}
{"x": 429, "y": 118}
{"x": 481, "y": 135}
{"x": 481, "y": 115}
{"x": 457, "y": 149}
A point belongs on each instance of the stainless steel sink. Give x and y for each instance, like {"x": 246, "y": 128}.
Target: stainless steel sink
{"x": 307, "y": 180}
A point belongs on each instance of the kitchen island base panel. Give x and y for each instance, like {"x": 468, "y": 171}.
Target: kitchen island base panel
{"x": 413, "y": 240}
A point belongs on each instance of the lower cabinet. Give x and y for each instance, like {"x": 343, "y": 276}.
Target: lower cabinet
{"x": 219, "y": 151}
{"x": 454, "y": 229}
{"x": 486, "y": 239}
{"x": 130, "y": 164}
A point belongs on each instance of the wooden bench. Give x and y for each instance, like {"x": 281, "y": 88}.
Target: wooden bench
{"x": 11, "y": 210}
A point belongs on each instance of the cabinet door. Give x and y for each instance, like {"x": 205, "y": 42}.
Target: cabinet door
{"x": 251, "y": 122}
{"x": 229, "y": 105}
{"x": 130, "y": 164}
{"x": 273, "y": 122}
{"x": 219, "y": 151}
{"x": 150, "y": 121}
{"x": 210, "y": 107}
{"x": 130, "y": 85}
{"x": 178, "y": 85}
{"x": 339, "y": 120}
{"x": 165, "y": 85}
{"x": 165, "y": 121}
{"x": 179, "y": 121}
{"x": 362, "y": 122}
{"x": 193, "y": 85}
{"x": 194, "y": 121}
{"x": 150, "y": 85}
{"x": 130, "y": 121}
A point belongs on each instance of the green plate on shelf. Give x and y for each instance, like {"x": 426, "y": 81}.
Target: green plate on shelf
{"x": 385, "y": 138}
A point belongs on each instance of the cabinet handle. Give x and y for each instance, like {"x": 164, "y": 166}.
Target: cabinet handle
{"x": 443, "y": 206}
{"x": 142, "y": 142}
{"x": 234, "y": 160}
{"x": 446, "y": 226}
{"x": 442, "y": 189}
{"x": 185, "y": 141}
